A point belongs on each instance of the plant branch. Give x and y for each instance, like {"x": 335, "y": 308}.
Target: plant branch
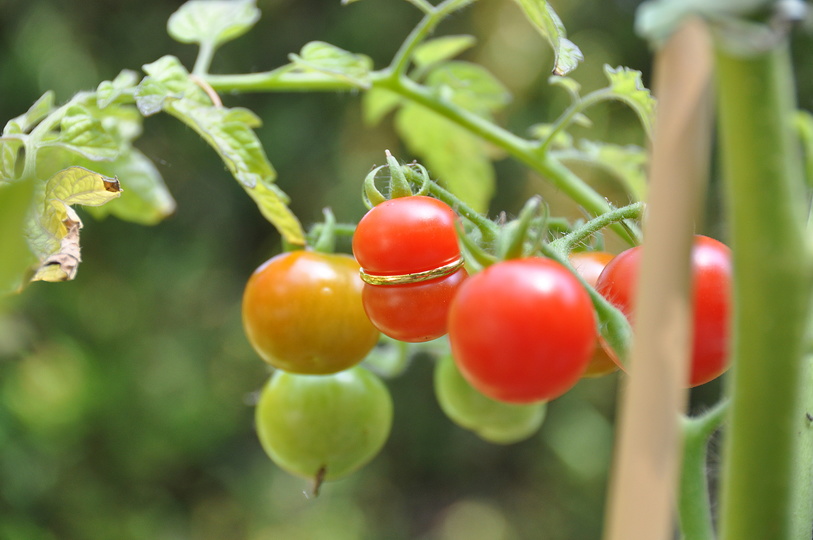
{"x": 772, "y": 269}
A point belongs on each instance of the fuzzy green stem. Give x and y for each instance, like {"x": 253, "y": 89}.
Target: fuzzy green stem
{"x": 580, "y": 234}
{"x": 694, "y": 507}
{"x": 206, "y": 53}
{"x": 772, "y": 273}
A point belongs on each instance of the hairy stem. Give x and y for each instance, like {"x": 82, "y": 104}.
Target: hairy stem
{"x": 772, "y": 270}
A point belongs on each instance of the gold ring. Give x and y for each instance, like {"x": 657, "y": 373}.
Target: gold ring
{"x": 416, "y": 277}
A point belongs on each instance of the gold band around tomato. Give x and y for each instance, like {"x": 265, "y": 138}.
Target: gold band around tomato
{"x": 415, "y": 277}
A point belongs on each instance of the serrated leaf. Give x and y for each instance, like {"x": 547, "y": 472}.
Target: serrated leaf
{"x": 109, "y": 91}
{"x": 566, "y": 55}
{"x": 470, "y": 86}
{"x": 331, "y": 60}
{"x": 272, "y": 203}
{"x": 378, "y": 103}
{"x": 84, "y": 134}
{"x": 212, "y": 21}
{"x": 53, "y": 229}
{"x": 626, "y": 163}
{"x": 228, "y": 131}
{"x": 232, "y": 138}
{"x": 15, "y": 200}
{"x": 440, "y": 49}
{"x": 145, "y": 198}
{"x": 626, "y": 85}
{"x": 456, "y": 157}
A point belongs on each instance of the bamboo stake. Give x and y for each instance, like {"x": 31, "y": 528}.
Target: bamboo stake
{"x": 643, "y": 486}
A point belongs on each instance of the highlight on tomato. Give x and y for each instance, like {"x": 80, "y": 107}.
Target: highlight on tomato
{"x": 589, "y": 265}
{"x": 711, "y": 273}
{"x": 302, "y": 313}
{"x": 411, "y": 264}
{"x": 522, "y": 330}
{"x": 323, "y": 427}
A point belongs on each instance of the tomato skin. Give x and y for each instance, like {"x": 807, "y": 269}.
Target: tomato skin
{"x": 522, "y": 330}
{"x": 302, "y": 313}
{"x": 711, "y": 293}
{"x": 330, "y": 423}
{"x": 406, "y": 235}
{"x": 413, "y": 312}
{"x": 589, "y": 265}
{"x": 493, "y": 421}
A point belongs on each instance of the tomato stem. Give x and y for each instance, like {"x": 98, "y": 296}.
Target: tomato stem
{"x": 694, "y": 506}
{"x": 760, "y": 491}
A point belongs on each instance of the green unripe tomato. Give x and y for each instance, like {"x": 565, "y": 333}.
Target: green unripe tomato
{"x": 323, "y": 427}
{"x": 491, "y": 420}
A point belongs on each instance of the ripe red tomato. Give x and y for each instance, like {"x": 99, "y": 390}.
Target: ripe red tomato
{"x": 711, "y": 292}
{"x": 522, "y": 330}
{"x": 412, "y": 312}
{"x": 406, "y": 235}
{"x": 589, "y": 265}
{"x": 302, "y": 313}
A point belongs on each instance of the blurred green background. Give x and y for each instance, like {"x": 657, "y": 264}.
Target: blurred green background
{"x": 126, "y": 395}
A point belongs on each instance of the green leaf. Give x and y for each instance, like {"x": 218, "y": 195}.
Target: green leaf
{"x": 25, "y": 122}
{"x": 212, "y": 21}
{"x": 440, "y": 49}
{"x": 378, "y": 103}
{"x": 566, "y": 55}
{"x": 145, "y": 198}
{"x": 456, "y": 157}
{"x": 9, "y": 151}
{"x": 228, "y": 131}
{"x": 331, "y": 60}
{"x": 470, "y": 86}
{"x": 15, "y": 200}
{"x": 804, "y": 125}
{"x": 166, "y": 79}
{"x": 83, "y": 133}
{"x": 109, "y": 91}
{"x": 53, "y": 229}
{"x": 626, "y": 86}
{"x": 626, "y": 163}
{"x": 272, "y": 203}
{"x": 570, "y": 86}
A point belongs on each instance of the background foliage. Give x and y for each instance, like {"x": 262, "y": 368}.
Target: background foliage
{"x": 126, "y": 395}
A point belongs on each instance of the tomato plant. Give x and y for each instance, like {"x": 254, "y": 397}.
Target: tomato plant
{"x": 302, "y": 313}
{"x": 492, "y": 420}
{"x": 589, "y": 265}
{"x": 711, "y": 284}
{"x": 323, "y": 427}
{"x": 522, "y": 330}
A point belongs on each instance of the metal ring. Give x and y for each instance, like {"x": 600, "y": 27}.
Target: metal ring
{"x": 416, "y": 277}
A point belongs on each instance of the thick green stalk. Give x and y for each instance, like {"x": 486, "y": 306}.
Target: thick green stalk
{"x": 772, "y": 275}
{"x": 694, "y": 507}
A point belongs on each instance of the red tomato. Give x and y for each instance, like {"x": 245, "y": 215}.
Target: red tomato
{"x": 522, "y": 330}
{"x": 412, "y": 312}
{"x": 406, "y": 235}
{"x": 711, "y": 290}
{"x": 589, "y": 265}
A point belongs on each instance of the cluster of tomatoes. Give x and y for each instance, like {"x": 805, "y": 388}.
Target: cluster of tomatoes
{"x": 521, "y": 331}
